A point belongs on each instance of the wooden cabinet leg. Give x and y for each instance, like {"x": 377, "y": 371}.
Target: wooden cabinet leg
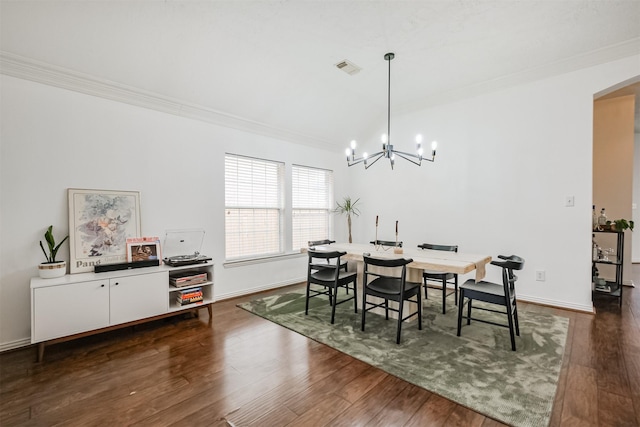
{"x": 40, "y": 352}
{"x": 210, "y": 310}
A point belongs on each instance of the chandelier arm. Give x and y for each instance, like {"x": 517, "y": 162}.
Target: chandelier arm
{"x": 409, "y": 157}
{"x": 355, "y": 161}
{"x": 352, "y": 162}
{"x": 375, "y": 158}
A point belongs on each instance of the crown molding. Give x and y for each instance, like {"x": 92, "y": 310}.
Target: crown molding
{"x": 30, "y": 69}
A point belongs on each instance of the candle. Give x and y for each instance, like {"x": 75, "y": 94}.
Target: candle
{"x": 396, "y": 227}
{"x": 376, "y": 220}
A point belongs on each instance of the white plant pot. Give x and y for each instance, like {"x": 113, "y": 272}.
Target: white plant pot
{"x": 50, "y": 270}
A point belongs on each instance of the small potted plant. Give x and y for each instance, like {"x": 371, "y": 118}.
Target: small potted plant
{"x": 52, "y": 268}
{"x": 620, "y": 225}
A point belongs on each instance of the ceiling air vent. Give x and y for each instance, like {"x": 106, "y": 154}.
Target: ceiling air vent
{"x": 348, "y": 67}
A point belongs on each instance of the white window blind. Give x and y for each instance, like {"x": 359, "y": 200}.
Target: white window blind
{"x": 253, "y": 207}
{"x": 312, "y": 198}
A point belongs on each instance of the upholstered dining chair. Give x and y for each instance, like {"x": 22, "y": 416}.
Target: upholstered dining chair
{"x": 314, "y": 243}
{"x": 388, "y": 280}
{"x": 324, "y": 270}
{"x": 501, "y": 294}
{"x": 443, "y": 279}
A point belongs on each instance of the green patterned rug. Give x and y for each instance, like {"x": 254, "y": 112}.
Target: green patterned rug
{"x": 477, "y": 370}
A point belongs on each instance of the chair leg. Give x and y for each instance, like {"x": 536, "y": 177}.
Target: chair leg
{"x": 355, "y": 296}
{"x": 364, "y": 307}
{"x": 386, "y": 309}
{"x": 455, "y": 281}
{"x": 306, "y": 306}
{"x": 460, "y": 308}
{"x": 419, "y": 309}
{"x": 511, "y": 327}
{"x": 398, "y": 333}
{"x": 444, "y": 296}
{"x": 334, "y": 302}
{"x": 469, "y": 312}
{"x": 515, "y": 317}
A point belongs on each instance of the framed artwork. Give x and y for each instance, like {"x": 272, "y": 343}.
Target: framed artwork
{"x": 100, "y": 221}
{"x": 143, "y": 249}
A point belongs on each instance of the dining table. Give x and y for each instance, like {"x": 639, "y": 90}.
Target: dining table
{"x": 423, "y": 259}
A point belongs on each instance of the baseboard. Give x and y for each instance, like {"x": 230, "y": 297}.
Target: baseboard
{"x": 558, "y": 304}
{"x": 244, "y": 292}
{"x": 12, "y": 345}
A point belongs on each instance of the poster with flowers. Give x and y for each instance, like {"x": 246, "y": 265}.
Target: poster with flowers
{"x": 100, "y": 222}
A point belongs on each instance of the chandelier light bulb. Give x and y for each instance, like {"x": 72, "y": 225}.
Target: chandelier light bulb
{"x": 383, "y": 138}
{"x": 418, "y": 138}
{"x": 347, "y": 152}
{"x": 420, "y": 150}
{"x": 434, "y": 145}
{"x": 365, "y": 155}
{"x": 353, "y": 144}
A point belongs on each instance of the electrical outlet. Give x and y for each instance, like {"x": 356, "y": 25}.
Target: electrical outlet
{"x": 569, "y": 201}
{"x": 540, "y": 276}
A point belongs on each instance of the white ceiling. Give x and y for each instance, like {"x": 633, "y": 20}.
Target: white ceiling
{"x": 272, "y": 62}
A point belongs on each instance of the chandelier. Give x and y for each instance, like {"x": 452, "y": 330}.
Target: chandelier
{"x": 387, "y": 148}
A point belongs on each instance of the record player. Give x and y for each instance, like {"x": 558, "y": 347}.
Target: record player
{"x": 182, "y": 247}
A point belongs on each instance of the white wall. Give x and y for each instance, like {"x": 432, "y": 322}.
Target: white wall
{"x": 505, "y": 163}
{"x": 54, "y": 139}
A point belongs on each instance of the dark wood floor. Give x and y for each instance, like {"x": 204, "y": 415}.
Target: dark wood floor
{"x": 243, "y": 370}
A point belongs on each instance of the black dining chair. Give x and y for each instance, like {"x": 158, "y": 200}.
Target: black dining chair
{"x": 386, "y": 243}
{"x": 324, "y": 270}
{"x": 443, "y": 278}
{"x": 501, "y": 294}
{"x": 388, "y": 280}
{"x": 325, "y": 242}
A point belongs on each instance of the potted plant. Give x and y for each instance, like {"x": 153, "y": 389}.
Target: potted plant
{"x": 620, "y": 225}
{"x": 52, "y": 268}
{"x": 348, "y": 207}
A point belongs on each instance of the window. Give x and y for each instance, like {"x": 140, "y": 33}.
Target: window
{"x": 312, "y": 196}
{"x": 253, "y": 207}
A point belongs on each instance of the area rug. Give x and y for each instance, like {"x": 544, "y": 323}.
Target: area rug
{"x": 477, "y": 370}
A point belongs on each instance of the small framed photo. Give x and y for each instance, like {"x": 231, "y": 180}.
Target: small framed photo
{"x": 143, "y": 249}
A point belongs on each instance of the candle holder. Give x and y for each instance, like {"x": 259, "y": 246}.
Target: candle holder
{"x": 396, "y": 249}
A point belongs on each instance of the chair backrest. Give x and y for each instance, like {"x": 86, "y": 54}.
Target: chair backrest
{"x": 509, "y": 264}
{"x": 448, "y": 248}
{"x": 320, "y": 242}
{"x": 388, "y": 266}
{"x": 324, "y": 255}
{"x": 385, "y": 243}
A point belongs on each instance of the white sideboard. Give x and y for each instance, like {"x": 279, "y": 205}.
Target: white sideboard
{"x": 82, "y": 304}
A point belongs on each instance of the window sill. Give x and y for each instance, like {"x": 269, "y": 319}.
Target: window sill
{"x": 260, "y": 260}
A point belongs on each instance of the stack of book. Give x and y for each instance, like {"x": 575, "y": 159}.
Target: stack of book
{"x": 189, "y": 296}
{"x": 189, "y": 280}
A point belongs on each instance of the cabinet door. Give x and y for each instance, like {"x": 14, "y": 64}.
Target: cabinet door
{"x": 70, "y": 309}
{"x": 138, "y": 297}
